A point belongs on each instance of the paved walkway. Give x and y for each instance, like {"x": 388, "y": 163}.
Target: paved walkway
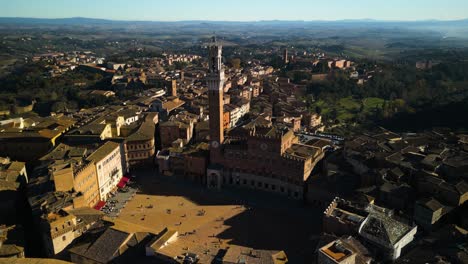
{"x": 119, "y": 201}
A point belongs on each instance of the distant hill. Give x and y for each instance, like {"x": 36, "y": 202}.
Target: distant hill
{"x": 58, "y": 21}
{"x": 397, "y": 33}
{"x": 369, "y": 22}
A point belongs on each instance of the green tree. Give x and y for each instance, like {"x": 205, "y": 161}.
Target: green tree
{"x": 53, "y": 96}
{"x": 59, "y": 106}
{"x": 235, "y": 63}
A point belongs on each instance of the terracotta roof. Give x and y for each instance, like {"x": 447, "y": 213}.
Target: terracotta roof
{"x": 16, "y": 166}
{"x": 431, "y": 204}
{"x": 173, "y": 104}
{"x": 105, "y": 248}
{"x": 145, "y": 131}
{"x": 103, "y": 151}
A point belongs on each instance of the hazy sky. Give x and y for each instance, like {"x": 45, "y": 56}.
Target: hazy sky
{"x": 237, "y": 10}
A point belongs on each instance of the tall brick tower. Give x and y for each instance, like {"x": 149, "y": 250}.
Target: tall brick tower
{"x": 285, "y": 56}
{"x": 215, "y": 82}
{"x": 173, "y": 88}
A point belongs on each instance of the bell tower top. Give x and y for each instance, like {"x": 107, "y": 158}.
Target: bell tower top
{"x": 215, "y": 53}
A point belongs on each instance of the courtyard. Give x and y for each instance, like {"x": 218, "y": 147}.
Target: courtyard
{"x": 210, "y": 220}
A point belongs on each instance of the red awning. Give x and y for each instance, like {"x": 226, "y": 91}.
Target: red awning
{"x": 99, "y": 205}
{"x": 123, "y": 182}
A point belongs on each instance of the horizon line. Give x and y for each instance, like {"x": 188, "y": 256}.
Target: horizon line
{"x": 244, "y": 21}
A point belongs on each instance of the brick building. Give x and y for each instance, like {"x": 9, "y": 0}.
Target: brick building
{"x": 180, "y": 126}
{"x": 257, "y": 155}
{"x": 140, "y": 145}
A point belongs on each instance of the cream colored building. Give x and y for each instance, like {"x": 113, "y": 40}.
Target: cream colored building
{"x": 62, "y": 232}
{"x": 108, "y": 162}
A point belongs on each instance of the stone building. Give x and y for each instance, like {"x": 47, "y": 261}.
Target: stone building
{"x": 189, "y": 162}
{"x": 336, "y": 252}
{"x": 386, "y": 234}
{"x": 180, "y": 126}
{"x": 89, "y": 134}
{"x": 108, "y": 162}
{"x": 13, "y": 179}
{"x": 234, "y": 113}
{"x": 140, "y": 145}
{"x": 58, "y": 222}
{"x": 345, "y": 250}
{"x": 165, "y": 105}
{"x": 9, "y": 250}
{"x": 70, "y": 170}
{"x": 33, "y": 140}
{"x": 376, "y": 226}
{"x": 428, "y": 211}
{"x": 312, "y": 120}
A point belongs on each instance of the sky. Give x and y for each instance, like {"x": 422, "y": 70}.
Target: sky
{"x": 238, "y": 10}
